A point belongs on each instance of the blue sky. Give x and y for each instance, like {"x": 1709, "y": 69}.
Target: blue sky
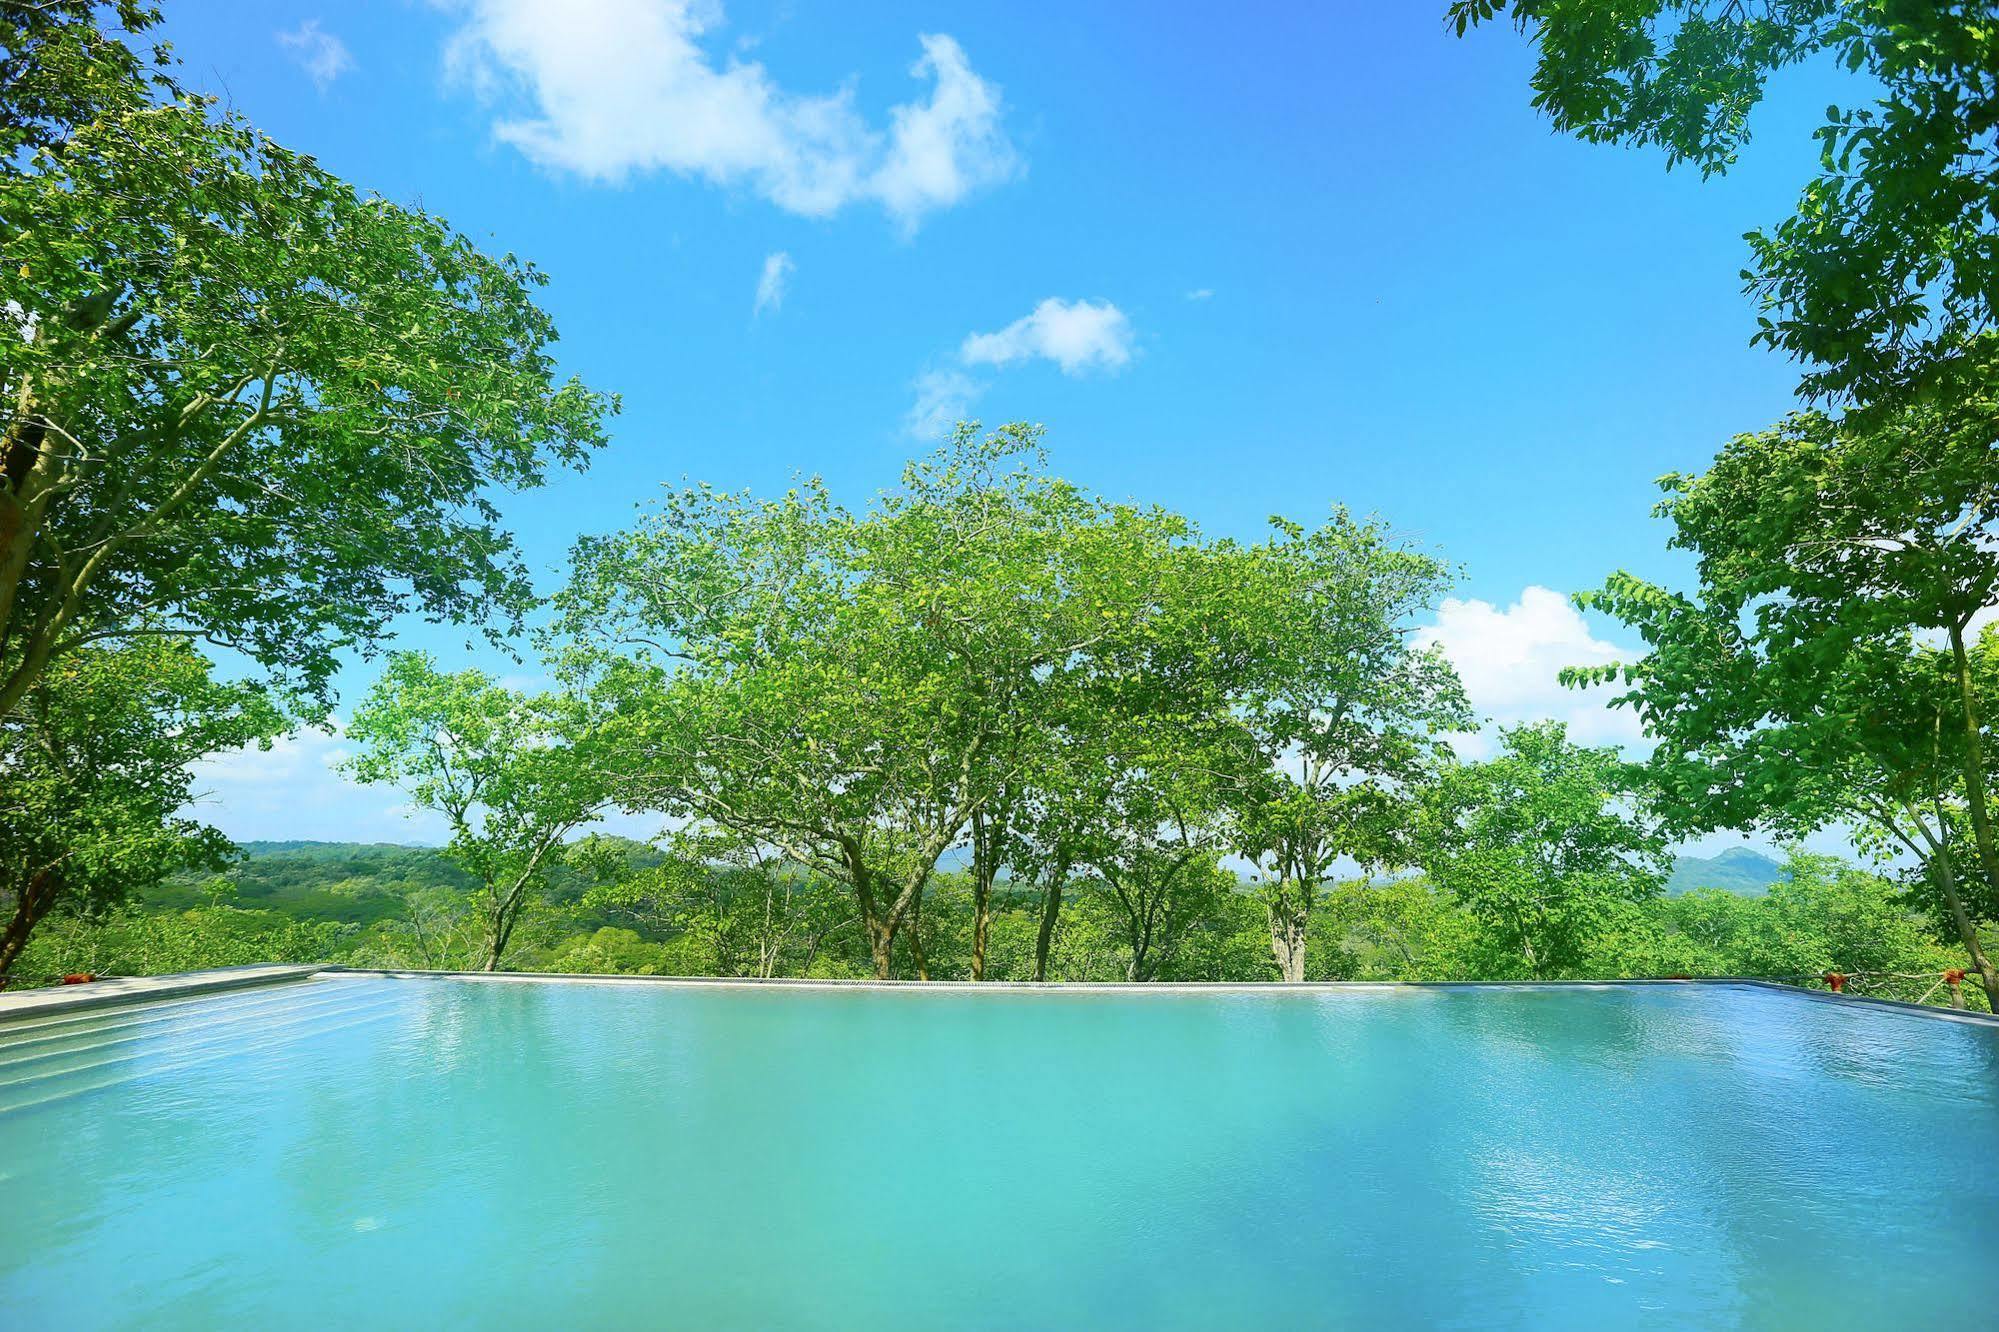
{"x": 1239, "y": 265}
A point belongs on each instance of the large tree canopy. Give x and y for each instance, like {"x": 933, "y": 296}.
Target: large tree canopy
{"x": 853, "y": 689}
{"x": 246, "y": 401}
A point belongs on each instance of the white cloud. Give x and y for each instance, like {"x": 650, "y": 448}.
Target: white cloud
{"x": 943, "y": 398}
{"x": 323, "y": 56}
{"x": 1076, "y": 335}
{"x": 776, "y": 276}
{"x": 610, "y": 87}
{"x": 941, "y": 150}
{"x": 1509, "y": 660}
{"x": 1200, "y": 293}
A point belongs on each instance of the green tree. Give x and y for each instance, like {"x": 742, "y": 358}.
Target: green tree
{"x": 64, "y": 62}
{"x": 1029, "y": 590}
{"x": 513, "y": 775}
{"x": 262, "y": 408}
{"x": 1158, "y": 900}
{"x": 1826, "y": 672}
{"x": 850, "y": 690}
{"x": 1163, "y": 825}
{"x": 1880, "y": 523}
{"x": 95, "y": 778}
{"x": 1152, "y": 697}
{"x": 1541, "y": 844}
{"x": 737, "y": 911}
{"x": 1345, "y": 711}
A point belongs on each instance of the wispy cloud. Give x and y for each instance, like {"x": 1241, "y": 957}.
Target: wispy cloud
{"x": 772, "y": 282}
{"x": 1076, "y": 335}
{"x": 323, "y": 56}
{"x": 1200, "y": 293}
{"x": 606, "y": 88}
{"x": 943, "y": 398}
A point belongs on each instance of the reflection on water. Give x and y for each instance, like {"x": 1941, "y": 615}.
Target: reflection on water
{"x": 528, "y": 1154}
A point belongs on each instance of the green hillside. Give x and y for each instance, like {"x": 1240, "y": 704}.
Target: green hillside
{"x": 1738, "y": 870}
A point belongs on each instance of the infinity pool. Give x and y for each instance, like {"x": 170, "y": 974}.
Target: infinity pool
{"x": 439, "y": 1153}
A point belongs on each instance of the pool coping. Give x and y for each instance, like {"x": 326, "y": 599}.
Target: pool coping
{"x": 141, "y": 989}
{"x": 1162, "y": 987}
{"x": 115, "y": 991}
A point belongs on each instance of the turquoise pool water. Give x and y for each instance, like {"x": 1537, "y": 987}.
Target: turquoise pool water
{"x": 436, "y": 1153}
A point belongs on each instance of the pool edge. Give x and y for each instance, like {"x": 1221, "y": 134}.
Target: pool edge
{"x": 114, "y": 992}
{"x": 145, "y": 989}
{"x": 1158, "y": 987}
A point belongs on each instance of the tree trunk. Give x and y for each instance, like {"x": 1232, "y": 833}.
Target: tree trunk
{"x": 1945, "y": 877}
{"x": 982, "y": 919}
{"x": 985, "y": 866}
{"x": 33, "y": 902}
{"x": 1290, "y": 909}
{"x": 1974, "y": 764}
{"x": 498, "y": 929}
{"x": 1051, "y": 909}
{"x": 916, "y": 941}
{"x": 880, "y": 940}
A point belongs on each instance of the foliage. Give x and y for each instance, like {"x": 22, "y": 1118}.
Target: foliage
{"x": 263, "y": 408}
{"x": 131, "y": 942}
{"x": 1541, "y": 844}
{"x": 736, "y": 912}
{"x": 95, "y": 780}
{"x": 1826, "y": 671}
{"x": 1824, "y": 916}
{"x": 59, "y": 67}
{"x": 511, "y": 774}
{"x": 1345, "y": 712}
{"x": 850, "y": 690}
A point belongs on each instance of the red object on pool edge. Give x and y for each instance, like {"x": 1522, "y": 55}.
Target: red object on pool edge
{"x": 1836, "y": 979}
{"x": 78, "y": 978}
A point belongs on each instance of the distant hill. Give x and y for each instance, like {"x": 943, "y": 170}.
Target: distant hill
{"x": 1738, "y": 870}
